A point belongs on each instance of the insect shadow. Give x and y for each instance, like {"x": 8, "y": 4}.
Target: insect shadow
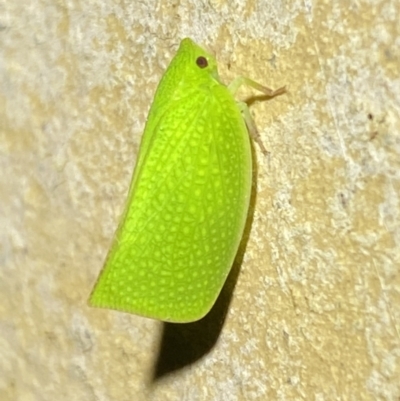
{"x": 183, "y": 344}
{"x": 262, "y": 98}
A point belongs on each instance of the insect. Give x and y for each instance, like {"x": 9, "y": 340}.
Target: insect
{"x": 188, "y": 199}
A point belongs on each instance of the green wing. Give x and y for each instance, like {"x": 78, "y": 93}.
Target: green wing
{"x": 186, "y": 209}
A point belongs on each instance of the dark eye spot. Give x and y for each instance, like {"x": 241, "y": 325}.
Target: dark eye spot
{"x": 202, "y": 62}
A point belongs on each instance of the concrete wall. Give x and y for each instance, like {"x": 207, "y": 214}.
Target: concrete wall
{"x": 311, "y": 309}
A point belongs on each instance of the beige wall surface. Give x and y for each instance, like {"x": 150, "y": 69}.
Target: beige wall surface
{"x": 311, "y": 309}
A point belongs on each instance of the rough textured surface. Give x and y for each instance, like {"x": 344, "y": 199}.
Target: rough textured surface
{"x": 314, "y": 314}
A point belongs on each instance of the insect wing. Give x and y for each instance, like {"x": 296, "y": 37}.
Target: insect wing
{"x": 186, "y": 210}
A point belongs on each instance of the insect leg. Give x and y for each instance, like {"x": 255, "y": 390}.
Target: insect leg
{"x": 239, "y": 81}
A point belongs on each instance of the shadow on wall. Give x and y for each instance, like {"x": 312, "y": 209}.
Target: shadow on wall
{"x": 184, "y": 344}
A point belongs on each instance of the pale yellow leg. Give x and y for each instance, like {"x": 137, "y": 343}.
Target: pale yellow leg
{"x": 239, "y": 81}
{"x": 251, "y": 126}
{"x": 234, "y": 86}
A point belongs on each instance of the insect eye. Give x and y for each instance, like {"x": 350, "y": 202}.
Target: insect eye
{"x": 202, "y": 62}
